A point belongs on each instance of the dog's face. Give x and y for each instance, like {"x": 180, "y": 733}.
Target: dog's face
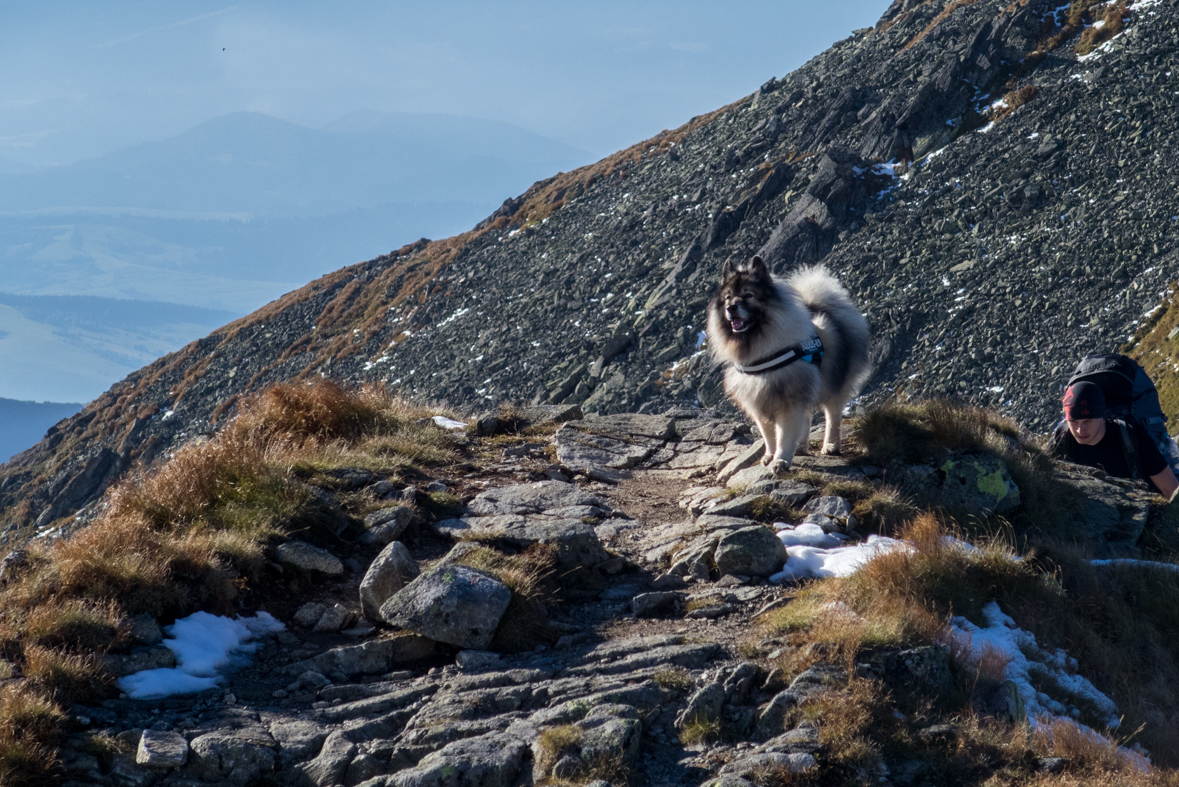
{"x": 741, "y": 300}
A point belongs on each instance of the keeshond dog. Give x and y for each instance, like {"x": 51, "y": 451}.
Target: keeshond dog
{"x": 790, "y": 345}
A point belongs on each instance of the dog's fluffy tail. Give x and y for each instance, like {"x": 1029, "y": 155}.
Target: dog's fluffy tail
{"x": 828, "y": 301}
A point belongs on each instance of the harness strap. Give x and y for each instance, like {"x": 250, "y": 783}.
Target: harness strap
{"x": 810, "y": 351}
{"x": 1129, "y": 449}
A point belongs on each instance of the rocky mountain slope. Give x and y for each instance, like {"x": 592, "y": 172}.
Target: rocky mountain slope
{"x": 998, "y": 202}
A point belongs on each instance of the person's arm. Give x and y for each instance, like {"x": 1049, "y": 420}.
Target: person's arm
{"x": 1166, "y": 482}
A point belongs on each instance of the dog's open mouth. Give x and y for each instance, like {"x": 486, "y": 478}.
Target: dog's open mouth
{"x": 740, "y": 325}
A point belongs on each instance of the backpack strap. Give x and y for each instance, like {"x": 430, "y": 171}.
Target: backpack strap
{"x": 1129, "y": 449}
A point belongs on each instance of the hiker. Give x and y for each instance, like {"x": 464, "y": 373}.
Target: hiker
{"x": 1122, "y": 450}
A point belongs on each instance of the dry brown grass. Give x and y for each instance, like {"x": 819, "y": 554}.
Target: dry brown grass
{"x": 191, "y": 534}
{"x": 556, "y": 742}
{"x": 924, "y": 432}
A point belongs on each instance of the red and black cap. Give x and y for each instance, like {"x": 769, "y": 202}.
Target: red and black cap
{"x": 1084, "y": 400}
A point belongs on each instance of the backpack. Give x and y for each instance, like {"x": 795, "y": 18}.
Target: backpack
{"x": 1130, "y": 396}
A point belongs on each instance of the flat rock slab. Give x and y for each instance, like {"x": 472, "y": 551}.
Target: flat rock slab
{"x": 162, "y": 749}
{"x": 492, "y": 760}
{"x": 531, "y": 498}
{"x": 308, "y": 557}
{"x": 454, "y": 604}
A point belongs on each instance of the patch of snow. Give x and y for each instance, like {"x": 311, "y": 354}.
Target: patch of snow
{"x": 204, "y": 644}
{"x": 701, "y": 338}
{"x": 448, "y": 423}
{"x": 808, "y": 534}
{"x": 805, "y": 562}
{"x": 1026, "y": 661}
{"x": 1148, "y": 564}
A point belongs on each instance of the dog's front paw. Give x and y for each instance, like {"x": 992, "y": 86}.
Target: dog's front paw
{"x": 765, "y": 460}
{"x": 779, "y": 466}
{"x": 831, "y": 450}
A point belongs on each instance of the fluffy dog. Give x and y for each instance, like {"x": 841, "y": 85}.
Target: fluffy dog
{"x": 790, "y": 345}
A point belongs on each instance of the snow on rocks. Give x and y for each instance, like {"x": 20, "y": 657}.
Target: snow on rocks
{"x": 812, "y": 562}
{"x": 204, "y": 644}
{"x": 1027, "y": 661}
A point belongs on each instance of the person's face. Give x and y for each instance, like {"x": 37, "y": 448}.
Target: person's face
{"x": 1087, "y": 431}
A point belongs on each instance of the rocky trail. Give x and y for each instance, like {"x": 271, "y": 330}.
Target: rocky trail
{"x": 650, "y": 668}
{"x": 650, "y": 632}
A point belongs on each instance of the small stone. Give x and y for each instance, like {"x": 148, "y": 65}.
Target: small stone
{"x": 437, "y": 486}
{"x": 162, "y": 749}
{"x": 145, "y": 630}
{"x": 313, "y": 680}
{"x": 648, "y": 605}
{"x": 307, "y": 557}
{"x": 335, "y": 618}
{"x": 476, "y": 659}
{"x": 309, "y": 614}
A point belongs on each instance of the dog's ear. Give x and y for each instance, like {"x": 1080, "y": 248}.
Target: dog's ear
{"x": 757, "y": 269}
{"x": 728, "y": 271}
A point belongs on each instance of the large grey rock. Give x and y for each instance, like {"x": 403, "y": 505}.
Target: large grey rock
{"x": 454, "y": 604}
{"x": 329, "y": 765}
{"x": 531, "y": 498}
{"x": 236, "y": 756}
{"x": 390, "y": 571}
{"x": 162, "y": 749}
{"x": 751, "y": 551}
{"x": 307, "y": 557}
{"x": 979, "y": 482}
{"x": 492, "y": 760}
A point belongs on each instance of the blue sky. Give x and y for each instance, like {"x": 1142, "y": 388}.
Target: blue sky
{"x": 82, "y": 78}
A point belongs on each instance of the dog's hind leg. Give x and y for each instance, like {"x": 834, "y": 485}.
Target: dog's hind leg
{"x": 831, "y": 438}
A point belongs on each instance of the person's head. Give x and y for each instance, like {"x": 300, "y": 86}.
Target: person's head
{"x": 1084, "y": 412}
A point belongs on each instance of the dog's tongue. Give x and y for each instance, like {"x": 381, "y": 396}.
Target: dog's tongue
{"x": 739, "y": 325}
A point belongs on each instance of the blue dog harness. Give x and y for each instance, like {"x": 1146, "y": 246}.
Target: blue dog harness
{"x": 810, "y": 351}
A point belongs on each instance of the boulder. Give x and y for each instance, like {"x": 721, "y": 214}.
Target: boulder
{"x": 307, "y": 557}
{"x": 751, "y": 551}
{"x": 235, "y": 756}
{"x": 454, "y": 604}
{"x": 390, "y": 571}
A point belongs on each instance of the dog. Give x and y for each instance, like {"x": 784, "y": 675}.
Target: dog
{"x": 790, "y": 346}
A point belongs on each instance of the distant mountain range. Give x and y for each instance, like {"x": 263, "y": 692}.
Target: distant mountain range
{"x": 24, "y": 423}
{"x": 227, "y": 216}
